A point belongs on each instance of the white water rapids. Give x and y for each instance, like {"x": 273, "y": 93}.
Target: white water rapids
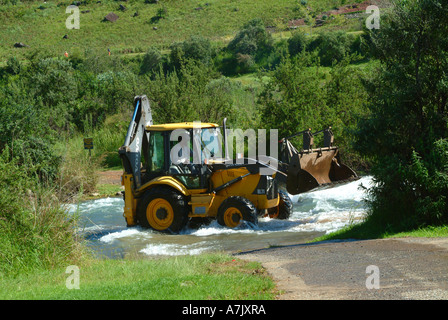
{"x": 314, "y": 213}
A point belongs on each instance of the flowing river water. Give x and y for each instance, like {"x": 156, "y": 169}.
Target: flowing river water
{"x": 314, "y": 213}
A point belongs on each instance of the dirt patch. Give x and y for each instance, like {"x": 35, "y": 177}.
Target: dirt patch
{"x": 346, "y": 9}
{"x": 408, "y": 268}
{"x": 110, "y": 177}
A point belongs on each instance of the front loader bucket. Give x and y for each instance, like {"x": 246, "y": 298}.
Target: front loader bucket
{"x": 313, "y": 168}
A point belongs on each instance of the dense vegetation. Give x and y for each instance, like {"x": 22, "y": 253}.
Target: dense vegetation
{"x": 407, "y": 130}
{"x": 384, "y": 93}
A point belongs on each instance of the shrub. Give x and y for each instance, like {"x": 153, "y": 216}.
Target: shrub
{"x": 249, "y": 47}
{"x": 35, "y": 232}
{"x": 332, "y": 46}
{"x": 297, "y": 43}
{"x": 13, "y": 66}
{"x": 152, "y": 61}
{"x": 251, "y": 39}
{"x": 37, "y": 156}
{"x": 116, "y": 89}
{"x": 196, "y": 48}
{"x": 53, "y": 81}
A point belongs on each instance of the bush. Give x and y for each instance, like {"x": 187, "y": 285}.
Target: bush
{"x": 196, "y": 48}
{"x": 35, "y": 232}
{"x": 332, "y": 46}
{"x": 251, "y": 39}
{"x": 37, "y": 156}
{"x": 117, "y": 89}
{"x": 13, "y": 66}
{"x": 248, "y": 48}
{"x": 297, "y": 43}
{"x": 152, "y": 61}
{"x": 428, "y": 180}
{"x": 77, "y": 174}
{"x": 53, "y": 81}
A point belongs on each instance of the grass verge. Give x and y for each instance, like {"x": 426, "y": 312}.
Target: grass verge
{"x": 370, "y": 230}
{"x": 209, "y": 276}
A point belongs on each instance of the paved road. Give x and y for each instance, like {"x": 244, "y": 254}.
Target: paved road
{"x": 407, "y": 268}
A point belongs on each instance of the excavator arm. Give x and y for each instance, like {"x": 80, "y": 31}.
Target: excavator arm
{"x": 136, "y": 141}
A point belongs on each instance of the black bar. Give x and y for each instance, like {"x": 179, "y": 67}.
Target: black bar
{"x": 225, "y": 185}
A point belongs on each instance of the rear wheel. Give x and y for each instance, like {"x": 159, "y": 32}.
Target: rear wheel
{"x": 234, "y": 210}
{"x": 284, "y": 209}
{"x": 163, "y": 209}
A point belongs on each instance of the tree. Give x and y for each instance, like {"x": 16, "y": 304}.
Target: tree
{"x": 294, "y": 99}
{"x": 408, "y": 126}
{"x": 251, "y": 44}
{"x": 251, "y": 38}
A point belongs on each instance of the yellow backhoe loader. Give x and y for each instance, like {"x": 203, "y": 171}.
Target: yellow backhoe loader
{"x": 174, "y": 173}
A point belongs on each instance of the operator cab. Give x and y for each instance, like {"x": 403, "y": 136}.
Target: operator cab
{"x": 182, "y": 150}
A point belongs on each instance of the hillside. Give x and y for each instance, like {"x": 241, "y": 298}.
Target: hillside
{"x": 141, "y": 23}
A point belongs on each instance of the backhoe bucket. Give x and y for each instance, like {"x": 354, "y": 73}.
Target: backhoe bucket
{"x": 310, "y": 168}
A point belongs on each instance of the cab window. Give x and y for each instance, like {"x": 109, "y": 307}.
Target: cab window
{"x": 156, "y": 158}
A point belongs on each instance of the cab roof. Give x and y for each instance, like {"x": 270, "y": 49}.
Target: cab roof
{"x": 181, "y": 125}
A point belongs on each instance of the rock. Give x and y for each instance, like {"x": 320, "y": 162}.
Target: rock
{"x": 20, "y": 45}
{"x": 121, "y": 7}
{"x": 65, "y": 37}
{"x": 112, "y": 17}
{"x": 154, "y": 28}
{"x": 135, "y": 14}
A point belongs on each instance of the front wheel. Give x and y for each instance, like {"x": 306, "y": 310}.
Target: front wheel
{"x": 163, "y": 209}
{"x": 234, "y": 210}
{"x": 284, "y": 209}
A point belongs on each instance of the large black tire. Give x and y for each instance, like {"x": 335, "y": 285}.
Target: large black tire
{"x": 234, "y": 210}
{"x": 163, "y": 209}
{"x": 284, "y": 209}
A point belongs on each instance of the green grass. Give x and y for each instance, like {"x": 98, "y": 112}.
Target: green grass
{"x": 107, "y": 190}
{"x": 219, "y": 21}
{"x": 370, "y": 230}
{"x": 211, "y": 276}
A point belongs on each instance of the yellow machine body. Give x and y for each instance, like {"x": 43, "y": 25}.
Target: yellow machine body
{"x": 201, "y": 203}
